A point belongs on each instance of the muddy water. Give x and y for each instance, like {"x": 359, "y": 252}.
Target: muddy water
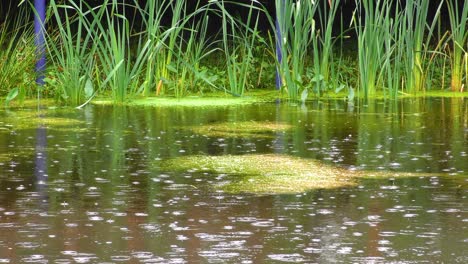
{"x": 83, "y": 186}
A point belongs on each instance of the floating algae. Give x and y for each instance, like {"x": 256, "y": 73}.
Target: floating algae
{"x": 33, "y": 119}
{"x": 250, "y": 129}
{"x": 274, "y": 173}
{"x": 199, "y": 102}
{"x": 266, "y": 173}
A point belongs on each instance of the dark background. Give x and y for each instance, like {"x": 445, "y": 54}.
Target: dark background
{"x": 346, "y": 10}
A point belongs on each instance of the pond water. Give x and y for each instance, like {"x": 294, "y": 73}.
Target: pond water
{"x": 85, "y": 186}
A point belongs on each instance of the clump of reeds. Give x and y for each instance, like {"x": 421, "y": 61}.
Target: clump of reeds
{"x": 160, "y": 47}
{"x": 17, "y": 56}
{"x": 72, "y": 47}
{"x": 458, "y": 16}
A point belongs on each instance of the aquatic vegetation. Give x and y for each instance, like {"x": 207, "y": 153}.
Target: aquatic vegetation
{"x": 192, "y": 101}
{"x": 239, "y": 40}
{"x": 169, "y": 48}
{"x": 275, "y": 173}
{"x": 459, "y": 34}
{"x": 28, "y": 119}
{"x": 417, "y": 33}
{"x": 246, "y": 129}
{"x": 114, "y": 50}
{"x": 17, "y": 154}
{"x": 294, "y": 35}
{"x": 17, "y": 56}
{"x": 325, "y": 73}
{"x": 373, "y": 26}
{"x": 268, "y": 173}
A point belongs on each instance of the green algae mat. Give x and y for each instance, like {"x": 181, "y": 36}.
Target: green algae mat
{"x": 249, "y": 129}
{"x": 275, "y": 173}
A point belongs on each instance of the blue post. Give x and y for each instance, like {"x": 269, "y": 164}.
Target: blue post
{"x": 279, "y": 39}
{"x": 39, "y": 29}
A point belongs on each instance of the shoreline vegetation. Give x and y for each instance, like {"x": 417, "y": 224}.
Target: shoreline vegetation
{"x": 149, "y": 52}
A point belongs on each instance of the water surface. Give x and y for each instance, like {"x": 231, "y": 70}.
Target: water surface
{"x": 83, "y": 186}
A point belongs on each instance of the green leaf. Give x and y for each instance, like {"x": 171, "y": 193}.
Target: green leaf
{"x": 11, "y": 95}
{"x": 171, "y": 68}
{"x": 351, "y": 94}
{"x": 339, "y": 88}
{"x": 89, "y": 88}
{"x": 304, "y": 95}
{"x": 317, "y": 78}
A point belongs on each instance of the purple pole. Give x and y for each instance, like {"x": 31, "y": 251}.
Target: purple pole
{"x": 39, "y": 28}
{"x": 279, "y": 39}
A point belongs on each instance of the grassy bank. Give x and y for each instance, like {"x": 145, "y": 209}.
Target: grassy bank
{"x": 166, "y": 49}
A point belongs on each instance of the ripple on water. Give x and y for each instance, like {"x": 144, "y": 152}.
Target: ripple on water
{"x": 151, "y": 228}
{"x": 217, "y": 255}
{"x": 69, "y": 252}
{"x": 34, "y": 259}
{"x": 28, "y": 244}
{"x": 142, "y": 255}
{"x": 344, "y": 250}
{"x": 120, "y": 258}
{"x": 84, "y": 258}
{"x": 210, "y": 237}
{"x": 312, "y": 250}
{"x": 293, "y": 258}
{"x": 325, "y": 212}
{"x": 231, "y": 245}
{"x": 263, "y": 223}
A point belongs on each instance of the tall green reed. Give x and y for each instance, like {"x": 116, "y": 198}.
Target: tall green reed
{"x": 395, "y": 52}
{"x": 173, "y": 35}
{"x": 152, "y": 15}
{"x": 417, "y": 34}
{"x": 191, "y": 51}
{"x": 297, "y": 29}
{"x": 17, "y": 55}
{"x": 458, "y": 16}
{"x": 373, "y": 26}
{"x": 327, "y": 15}
{"x": 72, "y": 50}
{"x": 176, "y": 50}
{"x": 115, "y": 49}
{"x": 239, "y": 38}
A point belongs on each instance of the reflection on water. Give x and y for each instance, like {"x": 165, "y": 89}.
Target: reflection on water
{"x": 88, "y": 191}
